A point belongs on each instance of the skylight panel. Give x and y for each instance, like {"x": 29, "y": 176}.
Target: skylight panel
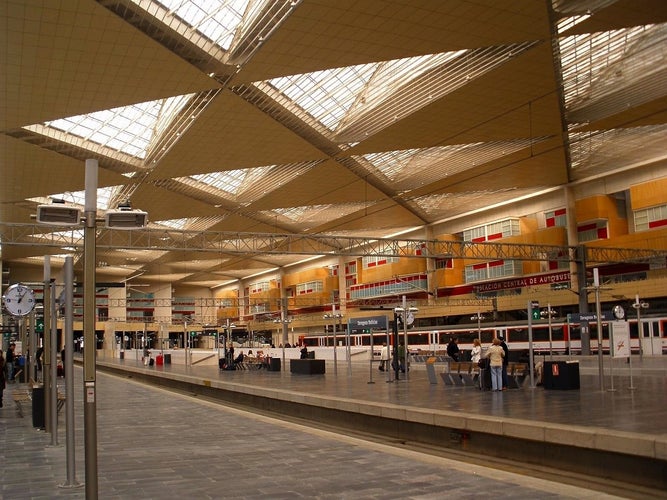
{"x": 217, "y": 20}
{"x": 104, "y": 195}
{"x": 128, "y": 129}
{"x": 411, "y": 168}
{"x": 326, "y": 95}
{"x": 351, "y": 103}
{"x": 312, "y": 215}
{"x": 570, "y": 22}
{"x": 173, "y": 223}
{"x": 585, "y": 58}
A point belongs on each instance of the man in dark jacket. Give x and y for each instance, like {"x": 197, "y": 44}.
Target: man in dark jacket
{"x": 10, "y": 359}
{"x": 506, "y": 359}
{"x": 453, "y": 350}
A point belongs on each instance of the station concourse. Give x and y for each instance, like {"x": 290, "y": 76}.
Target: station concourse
{"x": 207, "y": 172}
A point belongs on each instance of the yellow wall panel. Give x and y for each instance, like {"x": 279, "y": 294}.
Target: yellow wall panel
{"x": 649, "y": 194}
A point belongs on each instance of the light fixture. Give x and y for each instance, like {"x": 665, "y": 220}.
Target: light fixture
{"x": 125, "y": 217}
{"x": 58, "y": 214}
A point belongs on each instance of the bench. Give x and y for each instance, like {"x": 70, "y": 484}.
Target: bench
{"x": 21, "y": 397}
{"x": 24, "y": 396}
{"x": 516, "y": 375}
{"x": 461, "y": 373}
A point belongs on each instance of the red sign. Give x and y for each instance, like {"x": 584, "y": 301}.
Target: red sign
{"x": 554, "y": 369}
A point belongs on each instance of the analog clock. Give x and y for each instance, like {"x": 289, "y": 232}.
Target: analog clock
{"x": 619, "y": 312}
{"x": 19, "y": 300}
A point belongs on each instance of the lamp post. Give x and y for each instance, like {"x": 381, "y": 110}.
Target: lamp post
{"x": 479, "y": 317}
{"x": 638, "y": 306}
{"x": 283, "y": 321}
{"x": 407, "y": 315}
{"x": 334, "y": 315}
{"x": 124, "y": 218}
{"x": 549, "y": 313}
{"x": 89, "y": 368}
{"x": 228, "y": 338}
{"x": 598, "y": 314}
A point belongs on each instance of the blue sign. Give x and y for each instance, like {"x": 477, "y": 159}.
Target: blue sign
{"x": 370, "y": 323}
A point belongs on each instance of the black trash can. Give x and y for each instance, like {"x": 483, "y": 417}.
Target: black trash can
{"x": 122, "y": 354}
{"x": 38, "y": 417}
{"x": 561, "y": 375}
{"x": 167, "y": 359}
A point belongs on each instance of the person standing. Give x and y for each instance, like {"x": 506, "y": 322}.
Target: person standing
{"x": 506, "y": 359}
{"x": 475, "y": 356}
{"x": 10, "y": 358}
{"x": 476, "y": 352}
{"x": 495, "y": 353}
{"x": 384, "y": 357}
{"x": 3, "y": 376}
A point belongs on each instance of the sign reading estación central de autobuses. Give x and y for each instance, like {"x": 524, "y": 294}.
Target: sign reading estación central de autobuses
{"x": 543, "y": 279}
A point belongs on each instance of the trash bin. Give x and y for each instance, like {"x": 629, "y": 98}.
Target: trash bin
{"x": 562, "y": 375}
{"x": 38, "y": 418}
{"x": 167, "y": 359}
{"x": 122, "y": 354}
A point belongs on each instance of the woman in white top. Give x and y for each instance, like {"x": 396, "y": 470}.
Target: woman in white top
{"x": 476, "y": 353}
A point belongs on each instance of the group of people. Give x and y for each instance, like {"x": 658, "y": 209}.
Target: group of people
{"x": 398, "y": 363}
{"x": 497, "y": 355}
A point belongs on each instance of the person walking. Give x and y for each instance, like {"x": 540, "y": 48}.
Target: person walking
{"x": 3, "y": 376}
{"x": 10, "y": 358}
{"x": 496, "y": 354}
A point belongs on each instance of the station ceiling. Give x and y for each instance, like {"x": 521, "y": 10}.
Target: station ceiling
{"x": 363, "y": 118}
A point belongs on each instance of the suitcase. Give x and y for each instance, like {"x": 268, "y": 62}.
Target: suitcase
{"x": 151, "y": 362}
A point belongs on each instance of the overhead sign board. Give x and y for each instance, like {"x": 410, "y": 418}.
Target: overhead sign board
{"x": 369, "y": 323}
{"x": 578, "y": 317}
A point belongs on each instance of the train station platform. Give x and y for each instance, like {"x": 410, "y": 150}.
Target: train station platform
{"x": 153, "y": 443}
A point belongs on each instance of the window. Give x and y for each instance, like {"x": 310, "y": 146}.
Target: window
{"x": 444, "y": 263}
{"x": 374, "y": 261}
{"x": 492, "y": 231}
{"x": 400, "y": 284}
{"x": 490, "y": 270}
{"x": 262, "y": 286}
{"x": 650, "y": 218}
{"x": 556, "y": 218}
{"x": 309, "y": 287}
{"x": 591, "y": 231}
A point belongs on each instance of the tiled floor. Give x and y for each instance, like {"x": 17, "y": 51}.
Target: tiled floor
{"x": 157, "y": 444}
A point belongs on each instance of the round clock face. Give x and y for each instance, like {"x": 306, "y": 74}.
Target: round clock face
{"x": 619, "y": 312}
{"x": 19, "y": 300}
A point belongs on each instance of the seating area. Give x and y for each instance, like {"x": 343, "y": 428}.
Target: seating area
{"x": 465, "y": 374}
